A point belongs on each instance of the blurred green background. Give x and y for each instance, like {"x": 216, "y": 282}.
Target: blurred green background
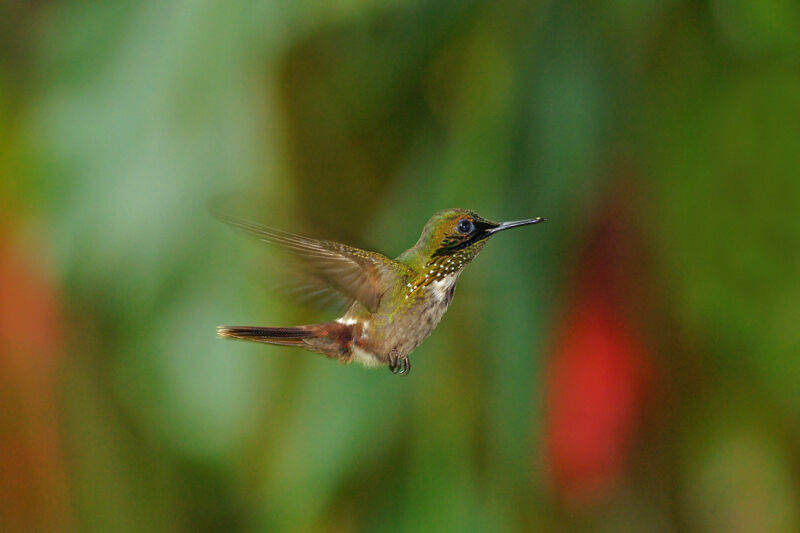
{"x": 632, "y": 365}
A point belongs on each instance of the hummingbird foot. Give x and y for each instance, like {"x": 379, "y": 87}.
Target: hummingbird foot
{"x": 399, "y": 365}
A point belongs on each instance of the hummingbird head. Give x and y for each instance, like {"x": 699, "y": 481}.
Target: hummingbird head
{"x": 454, "y": 237}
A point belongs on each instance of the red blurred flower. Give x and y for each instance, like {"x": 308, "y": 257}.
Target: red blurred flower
{"x": 599, "y": 372}
{"x": 595, "y": 386}
{"x": 33, "y": 486}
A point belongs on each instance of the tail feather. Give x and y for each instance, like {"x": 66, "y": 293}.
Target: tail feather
{"x": 283, "y": 336}
{"x": 332, "y": 339}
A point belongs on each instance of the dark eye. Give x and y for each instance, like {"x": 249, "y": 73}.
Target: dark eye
{"x": 465, "y": 226}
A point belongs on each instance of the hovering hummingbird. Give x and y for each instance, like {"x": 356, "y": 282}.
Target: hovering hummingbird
{"x": 394, "y": 304}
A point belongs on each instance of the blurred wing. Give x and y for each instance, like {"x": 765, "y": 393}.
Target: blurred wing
{"x": 354, "y": 273}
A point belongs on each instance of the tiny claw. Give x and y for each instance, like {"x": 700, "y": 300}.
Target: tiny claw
{"x": 400, "y": 365}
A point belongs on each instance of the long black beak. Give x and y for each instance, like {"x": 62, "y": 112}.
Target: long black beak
{"x": 508, "y": 225}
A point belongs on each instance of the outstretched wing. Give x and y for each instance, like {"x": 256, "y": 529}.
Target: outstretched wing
{"x": 354, "y": 273}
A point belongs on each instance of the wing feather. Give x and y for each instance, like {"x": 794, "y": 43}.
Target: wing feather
{"x": 354, "y": 273}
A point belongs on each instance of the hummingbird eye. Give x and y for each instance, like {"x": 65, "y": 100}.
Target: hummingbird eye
{"x": 465, "y": 226}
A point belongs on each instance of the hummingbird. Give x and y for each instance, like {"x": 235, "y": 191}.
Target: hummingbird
{"x": 392, "y": 304}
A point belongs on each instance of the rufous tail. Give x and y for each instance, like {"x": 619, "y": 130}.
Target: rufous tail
{"x": 331, "y": 339}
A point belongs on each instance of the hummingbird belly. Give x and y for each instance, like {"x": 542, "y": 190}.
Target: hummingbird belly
{"x": 397, "y": 332}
